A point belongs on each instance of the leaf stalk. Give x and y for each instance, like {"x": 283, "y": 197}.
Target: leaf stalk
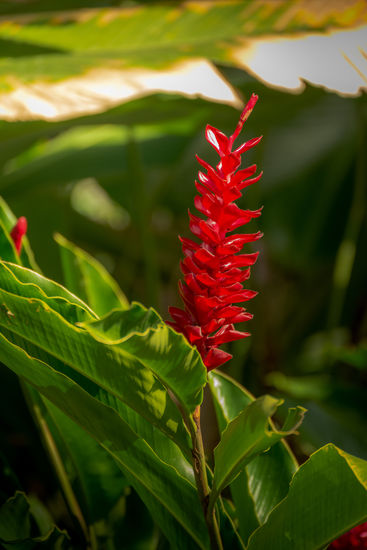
{"x": 199, "y": 466}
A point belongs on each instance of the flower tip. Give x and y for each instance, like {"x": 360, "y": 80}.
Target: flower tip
{"x": 249, "y": 107}
{"x": 18, "y": 232}
{"x": 244, "y": 116}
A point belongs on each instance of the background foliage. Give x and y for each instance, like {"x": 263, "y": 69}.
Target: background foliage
{"x": 118, "y": 184}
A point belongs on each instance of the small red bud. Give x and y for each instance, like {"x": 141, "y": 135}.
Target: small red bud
{"x": 18, "y": 232}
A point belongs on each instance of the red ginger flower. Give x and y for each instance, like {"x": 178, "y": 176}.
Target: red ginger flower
{"x": 212, "y": 269}
{"x": 355, "y": 539}
{"x": 18, "y": 232}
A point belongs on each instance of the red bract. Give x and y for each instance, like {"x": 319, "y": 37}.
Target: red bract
{"x": 355, "y": 539}
{"x": 18, "y": 232}
{"x": 213, "y": 269}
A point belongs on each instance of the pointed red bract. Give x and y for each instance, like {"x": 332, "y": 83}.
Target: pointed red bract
{"x": 213, "y": 269}
{"x": 18, "y": 232}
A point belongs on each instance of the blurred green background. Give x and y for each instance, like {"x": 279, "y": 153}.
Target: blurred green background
{"x": 118, "y": 183}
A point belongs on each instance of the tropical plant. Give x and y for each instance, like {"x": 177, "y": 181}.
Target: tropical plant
{"x": 114, "y": 434}
{"x": 116, "y": 394}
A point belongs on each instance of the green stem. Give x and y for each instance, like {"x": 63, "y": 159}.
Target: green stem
{"x": 347, "y": 250}
{"x": 142, "y": 213}
{"x": 199, "y": 465}
{"x": 53, "y": 452}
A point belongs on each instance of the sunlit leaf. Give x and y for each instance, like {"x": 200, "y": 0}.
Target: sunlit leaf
{"x": 327, "y": 496}
{"x": 48, "y": 59}
{"x": 248, "y": 435}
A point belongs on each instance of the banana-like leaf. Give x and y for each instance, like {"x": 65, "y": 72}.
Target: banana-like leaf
{"x": 264, "y": 482}
{"x": 61, "y": 45}
{"x": 166, "y": 450}
{"x": 247, "y": 436}
{"x": 41, "y": 288}
{"x": 164, "y": 351}
{"x": 16, "y": 531}
{"x": 89, "y": 279}
{"x": 99, "y": 482}
{"x": 327, "y": 497}
{"x": 131, "y": 452}
{"x": 114, "y": 368}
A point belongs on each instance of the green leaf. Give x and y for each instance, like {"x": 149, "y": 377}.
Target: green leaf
{"x": 13, "y": 277}
{"x": 167, "y": 451}
{"x": 265, "y": 480}
{"x": 7, "y": 248}
{"x": 16, "y": 531}
{"x": 127, "y": 377}
{"x": 245, "y": 504}
{"x": 247, "y": 436}
{"x": 131, "y": 452}
{"x": 230, "y": 398}
{"x": 142, "y": 334}
{"x": 88, "y": 279}
{"x": 15, "y": 523}
{"x": 63, "y": 44}
{"x": 327, "y": 497}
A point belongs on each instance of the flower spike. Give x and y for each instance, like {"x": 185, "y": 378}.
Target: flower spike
{"x": 213, "y": 268}
{"x": 18, "y": 232}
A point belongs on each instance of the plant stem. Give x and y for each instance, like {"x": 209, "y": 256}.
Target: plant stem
{"x": 141, "y": 210}
{"x": 346, "y": 254}
{"x": 201, "y": 479}
{"x": 53, "y": 452}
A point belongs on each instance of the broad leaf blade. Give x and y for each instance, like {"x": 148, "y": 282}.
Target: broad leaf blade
{"x": 47, "y": 48}
{"x": 131, "y": 452}
{"x": 327, "y": 497}
{"x": 177, "y": 364}
{"x": 247, "y": 436}
{"x": 265, "y": 480}
{"x": 115, "y": 370}
{"x": 88, "y": 279}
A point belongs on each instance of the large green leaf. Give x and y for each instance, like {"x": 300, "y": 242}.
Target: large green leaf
{"x": 89, "y": 279}
{"x": 327, "y": 497}
{"x": 150, "y": 36}
{"x": 99, "y": 481}
{"x": 132, "y": 453}
{"x": 265, "y": 480}
{"x": 166, "y": 450}
{"x": 247, "y": 436}
{"x": 176, "y": 364}
{"x": 112, "y": 367}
